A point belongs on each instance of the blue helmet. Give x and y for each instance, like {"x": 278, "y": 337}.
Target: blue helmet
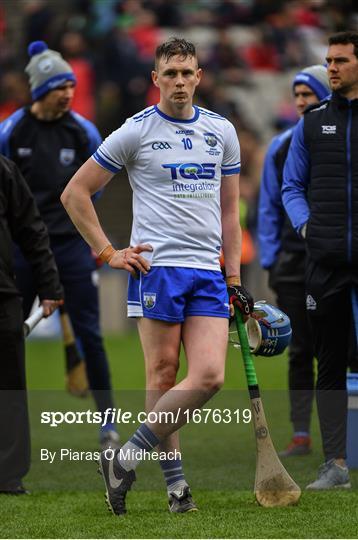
{"x": 268, "y": 330}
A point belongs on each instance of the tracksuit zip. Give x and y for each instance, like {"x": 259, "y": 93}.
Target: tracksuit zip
{"x": 349, "y": 182}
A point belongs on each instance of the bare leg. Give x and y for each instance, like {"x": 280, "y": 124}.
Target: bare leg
{"x": 161, "y": 348}
{"x": 205, "y": 344}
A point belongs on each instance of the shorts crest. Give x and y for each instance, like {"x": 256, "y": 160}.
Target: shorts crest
{"x": 149, "y": 299}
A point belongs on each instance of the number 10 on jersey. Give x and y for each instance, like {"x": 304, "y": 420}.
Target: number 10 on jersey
{"x": 188, "y": 145}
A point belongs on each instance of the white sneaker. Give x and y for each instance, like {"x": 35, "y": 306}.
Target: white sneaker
{"x": 331, "y": 476}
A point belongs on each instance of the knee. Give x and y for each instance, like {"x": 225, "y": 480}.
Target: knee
{"x": 161, "y": 375}
{"x": 211, "y": 381}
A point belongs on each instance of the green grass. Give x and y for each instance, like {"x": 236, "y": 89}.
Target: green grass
{"x": 219, "y": 459}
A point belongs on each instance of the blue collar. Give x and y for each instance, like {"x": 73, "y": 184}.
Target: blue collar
{"x": 179, "y": 120}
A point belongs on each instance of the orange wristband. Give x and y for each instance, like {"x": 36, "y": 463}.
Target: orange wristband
{"x": 233, "y": 280}
{"x": 107, "y": 253}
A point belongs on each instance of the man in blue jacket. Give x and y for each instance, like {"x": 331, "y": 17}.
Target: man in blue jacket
{"x": 282, "y": 253}
{"x": 320, "y": 195}
{"x": 49, "y": 142}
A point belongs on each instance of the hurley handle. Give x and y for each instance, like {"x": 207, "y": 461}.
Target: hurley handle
{"x": 245, "y": 349}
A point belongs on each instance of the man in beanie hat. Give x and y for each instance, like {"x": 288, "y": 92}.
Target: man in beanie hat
{"x": 282, "y": 253}
{"x": 47, "y": 70}
{"x": 49, "y": 142}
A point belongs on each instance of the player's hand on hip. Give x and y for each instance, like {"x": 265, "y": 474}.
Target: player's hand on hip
{"x": 241, "y": 298}
{"x": 130, "y": 259}
{"x": 50, "y": 306}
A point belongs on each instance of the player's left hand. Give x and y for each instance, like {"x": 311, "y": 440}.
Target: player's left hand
{"x": 240, "y": 297}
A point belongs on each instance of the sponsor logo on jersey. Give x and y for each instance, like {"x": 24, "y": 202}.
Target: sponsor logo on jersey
{"x": 67, "y": 156}
{"x": 329, "y": 130}
{"x": 149, "y": 299}
{"x": 184, "y": 132}
{"x": 198, "y": 190}
{"x": 161, "y": 145}
{"x": 311, "y": 303}
{"x": 24, "y": 152}
{"x": 210, "y": 139}
{"x": 192, "y": 171}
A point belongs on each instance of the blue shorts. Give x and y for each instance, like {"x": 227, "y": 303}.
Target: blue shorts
{"x": 172, "y": 294}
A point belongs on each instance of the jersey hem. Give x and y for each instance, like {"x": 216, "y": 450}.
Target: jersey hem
{"x": 195, "y": 266}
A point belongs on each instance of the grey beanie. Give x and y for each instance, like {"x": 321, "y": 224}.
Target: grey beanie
{"x": 316, "y": 78}
{"x": 46, "y": 70}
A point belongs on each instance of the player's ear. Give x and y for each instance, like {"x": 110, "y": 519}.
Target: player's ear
{"x": 155, "y": 78}
{"x": 199, "y": 74}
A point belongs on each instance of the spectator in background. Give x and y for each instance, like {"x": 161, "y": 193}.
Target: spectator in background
{"x": 74, "y": 49}
{"x": 20, "y": 222}
{"x": 49, "y": 143}
{"x": 229, "y": 12}
{"x": 145, "y": 34}
{"x": 262, "y": 54}
{"x": 224, "y": 60}
{"x": 253, "y": 150}
{"x": 283, "y": 31}
{"x": 282, "y": 253}
{"x": 122, "y": 67}
{"x": 320, "y": 195}
{"x": 197, "y": 13}
{"x": 212, "y": 94}
{"x": 39, "y": 20}
{"x": 168, "y": 13}
{"x": 14, "y": 91}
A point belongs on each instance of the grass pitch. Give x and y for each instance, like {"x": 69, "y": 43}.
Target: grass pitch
{"x": 219, "y": 462}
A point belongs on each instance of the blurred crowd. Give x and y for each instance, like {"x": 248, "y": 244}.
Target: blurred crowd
{"x": 248, "y": 49}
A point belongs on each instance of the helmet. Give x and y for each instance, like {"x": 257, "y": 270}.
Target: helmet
{"x": 268, "y": 330}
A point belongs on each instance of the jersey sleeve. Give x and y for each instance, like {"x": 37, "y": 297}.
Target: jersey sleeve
{"x": 231, "y": 159}
{"x": 296, "y": 177}
{"x": 94, "y": 137}
{"x": 6, "y": 129}
{"x": 270, "y": 209}
{"x": 119, "y": 148}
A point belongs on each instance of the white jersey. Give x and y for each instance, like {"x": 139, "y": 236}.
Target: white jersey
{"x": 175, "y": 169}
